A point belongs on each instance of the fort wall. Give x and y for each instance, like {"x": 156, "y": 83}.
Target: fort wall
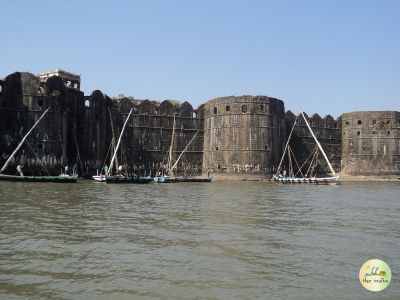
{"x": 371, "y": 143}
{"x": 234, "y": 136}
{"x": 243, "y": 134}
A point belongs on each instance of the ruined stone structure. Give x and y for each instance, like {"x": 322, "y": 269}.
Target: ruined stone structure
{"x": 23, "y": 98}
{"x": 371, "y": 143}
{"x": 242, "y": 135}
{"x": 77, "y": 131}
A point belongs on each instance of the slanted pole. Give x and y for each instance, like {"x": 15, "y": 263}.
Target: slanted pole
{"x": 23, "y": 140}
{"x": 287, "y": 144}
{"x": 319, "y": 145}
{"x": 187, "y": 146}
{"x": 119, "y": 141}
{"x": 170, "y": 148}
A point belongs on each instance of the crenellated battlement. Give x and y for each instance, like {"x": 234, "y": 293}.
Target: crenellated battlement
{"x": 235, "y": 134}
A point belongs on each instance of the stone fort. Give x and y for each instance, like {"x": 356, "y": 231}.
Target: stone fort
{"x": 236, "y": 136}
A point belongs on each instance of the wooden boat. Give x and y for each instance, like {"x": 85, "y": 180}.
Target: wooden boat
{"x": 61, "y": 178}
{"x": 172, "y": 179}
{"x": 102, "y": 177}
{"x": 169, "y": 176}
{"x": 99, "y": 178}
{"x": 64, "y": 178}
{"x": 306, "y": 178}
{"x": 121, "y": 178}
{"x": 128, "y": 179}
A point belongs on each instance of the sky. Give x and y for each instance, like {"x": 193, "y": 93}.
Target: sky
{"x": 326, "y": 57}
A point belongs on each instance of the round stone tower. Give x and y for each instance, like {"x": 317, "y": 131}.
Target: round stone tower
{"x": 371, "y": 143}
{"x": 243, "y": 135}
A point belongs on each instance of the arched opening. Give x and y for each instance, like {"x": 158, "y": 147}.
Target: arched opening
{"x": 194, "y": 115}
{"x": 388, "y": 122}
{"x": 358, "y": 133}
{"x": 244, "y": 108}
{"x": 40, "y": 91}
{"x": 156, "y": 111}
{"x": 347, "y": 123}
{"x": 68, "y": 83}
{"x": 215, "y": 110}
{"x": 359, "y": 122}
{"x": 228, "y": 108}
{"x": 373, "y": 121}
{"x": 40, "y": 102}
{"x": 388, "y": 132}
{"x": 75, "y": 85}
{"x": 87, "y": 103}
{"x": 216, "y": 148}
{"x": 261, "y": 107}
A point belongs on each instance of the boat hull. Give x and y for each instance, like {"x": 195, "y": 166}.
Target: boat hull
{"x": 61, "y": 178}
{"x": 99, "y": 178}
{"x": 128, "y": 179}
{"x": 174, "y": 179}
{"x": 312, "y": 180}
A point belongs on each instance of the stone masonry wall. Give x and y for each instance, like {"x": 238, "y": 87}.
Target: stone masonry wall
{"x": 243, "y": 135}
{"x": 371, "y": 143}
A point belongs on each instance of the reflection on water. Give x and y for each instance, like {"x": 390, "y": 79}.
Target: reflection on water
{"x": 195, "y": 241}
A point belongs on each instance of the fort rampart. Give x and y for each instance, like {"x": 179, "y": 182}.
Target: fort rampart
{"x": 242, "y": 135}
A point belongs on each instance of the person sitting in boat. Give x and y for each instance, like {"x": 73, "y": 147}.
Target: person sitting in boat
{"x": 66, "y": 170}
{"x": 284, "y": 173}
{"x": 105, "y": 169}
{"x": 19, "y": 170}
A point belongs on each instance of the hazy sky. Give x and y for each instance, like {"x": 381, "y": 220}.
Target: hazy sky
{"x": 323, "y": 56}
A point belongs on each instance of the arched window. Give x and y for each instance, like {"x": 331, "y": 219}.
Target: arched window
{"x": 388, "y": 132}
{"x": 244, "y": 108}
{"x": 359, "y": 122}
{"x": 227, "y": 108}
{"x": 68, "y": 83}
{"x": 358, "y": 133}
{"x": 75, "y": 85}
{"x": 215, "y": 110}
{"x": 347, "y": 123}
{"x": 87, "y": 103}
{"x": 261, "y": 107}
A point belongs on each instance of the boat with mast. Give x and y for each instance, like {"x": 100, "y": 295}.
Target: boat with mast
{"x": 309, "y": 176}
{"x": 169, "y": 177}
{"x": 123, "y": 178}
{"x": 64, "y": 178}
{"x": 102, "y": 177}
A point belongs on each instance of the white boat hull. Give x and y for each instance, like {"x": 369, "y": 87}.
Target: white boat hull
{"x": 312, "y": 180}
{"x": 99, "y": 178}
